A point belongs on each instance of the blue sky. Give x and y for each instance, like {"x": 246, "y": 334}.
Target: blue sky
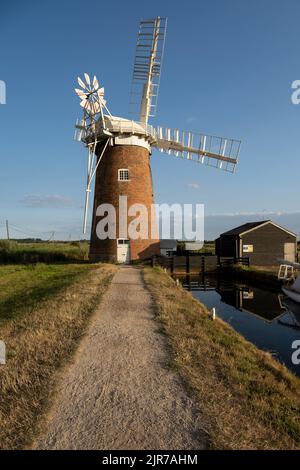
{"x": 228, "y": 70}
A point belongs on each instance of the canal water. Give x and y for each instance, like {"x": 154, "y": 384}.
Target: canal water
{"x": 264, "y": 317}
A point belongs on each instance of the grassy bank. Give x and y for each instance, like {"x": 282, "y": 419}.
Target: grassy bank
{"x": 247, "y": 399}
{"x": 23, "y": 287}
{"x": 44, "y": 312}
{"x": 43, "y": 252}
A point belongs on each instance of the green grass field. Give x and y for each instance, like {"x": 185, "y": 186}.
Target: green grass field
{"x": 44, "y": 252}
{"x": 48, "y": 292}
{"x": 208, "y": 246}
{"x": 22, "y": 287}
{"x": 44, "y": 312}
{"x": 32, "y": 272}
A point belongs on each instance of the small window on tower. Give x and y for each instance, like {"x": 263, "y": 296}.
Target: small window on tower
{"x": 123, "y": 174}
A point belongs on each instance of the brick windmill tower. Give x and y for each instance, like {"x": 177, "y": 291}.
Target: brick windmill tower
{"x": 119, "y": 155}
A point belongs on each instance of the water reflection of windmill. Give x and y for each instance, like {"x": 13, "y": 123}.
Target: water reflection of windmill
{"x": 119, "y": 149}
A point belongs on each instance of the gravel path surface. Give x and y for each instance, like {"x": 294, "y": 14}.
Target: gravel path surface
{"x": 119, "y": 393}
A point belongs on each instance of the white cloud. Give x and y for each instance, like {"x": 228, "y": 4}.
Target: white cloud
{"x": 219, "y": 223}
{"x": 50, "y": 200}
{"x": 191, "y": 119}
{"x": 263, "y": 214}
{"x": 194, "y": 185}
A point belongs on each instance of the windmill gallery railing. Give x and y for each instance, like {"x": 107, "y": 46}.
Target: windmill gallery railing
{"x": 111, "y": 126}
{"x": 219, "y": 152}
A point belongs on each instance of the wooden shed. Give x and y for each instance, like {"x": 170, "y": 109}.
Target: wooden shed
{"x": 262, "y": 242}
{"x": 168, "y": 247}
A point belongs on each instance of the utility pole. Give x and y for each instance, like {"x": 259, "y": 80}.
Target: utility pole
{"x": 7, "y": 230}
{"x": 52, "y": 236}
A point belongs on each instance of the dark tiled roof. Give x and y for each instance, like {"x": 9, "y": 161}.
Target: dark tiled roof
{"x": 168, "y": 244}
{"x": 243, "y": 228}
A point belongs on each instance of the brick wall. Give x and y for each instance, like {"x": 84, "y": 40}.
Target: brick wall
{"x": 138, "y": 190}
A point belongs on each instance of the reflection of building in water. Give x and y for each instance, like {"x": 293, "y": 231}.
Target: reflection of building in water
{"x": 254, "y": 300}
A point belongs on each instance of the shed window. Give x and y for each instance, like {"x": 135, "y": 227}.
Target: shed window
{"x": 123, "y": 174}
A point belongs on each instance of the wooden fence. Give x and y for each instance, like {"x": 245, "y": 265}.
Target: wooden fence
{"x": 187, "y": 264}
{"x": 195, "y": 263}
{"x": 225, "y": 262}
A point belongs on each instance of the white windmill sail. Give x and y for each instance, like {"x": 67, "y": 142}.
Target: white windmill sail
{"x": 147, "y": 67}
{"x": 92, "y": 102}
{"x": 87, "y": 78}
{"x": 219, "y": 152}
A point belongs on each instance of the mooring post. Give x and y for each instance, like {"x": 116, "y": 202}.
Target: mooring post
{"x": 172, "y": 264}
{"x": 203, "y": 264}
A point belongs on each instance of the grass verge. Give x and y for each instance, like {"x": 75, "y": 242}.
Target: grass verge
{"x": 14, "y": 252}
{"x": 40, "y": 337}
{"x": 248, "y": 400}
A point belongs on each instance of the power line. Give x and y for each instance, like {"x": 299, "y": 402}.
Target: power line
{"x": 28, "y": 231}
{"x": 49, "y": 234}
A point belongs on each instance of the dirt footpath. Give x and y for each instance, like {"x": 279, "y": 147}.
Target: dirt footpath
{"x": 119, "y": 392}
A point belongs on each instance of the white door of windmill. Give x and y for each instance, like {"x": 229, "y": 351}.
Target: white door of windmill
{"x": 123, "y": 251}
